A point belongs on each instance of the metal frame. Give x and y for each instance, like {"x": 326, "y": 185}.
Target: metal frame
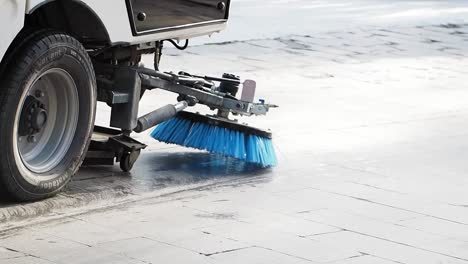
{"x": 122, "y": 93}
{"x": 191, "y": 86}
{"x": 121, "y": 87}
{"x": 117, "y": 147}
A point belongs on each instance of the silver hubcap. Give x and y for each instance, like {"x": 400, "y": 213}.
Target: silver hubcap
{"x": 48, "y": 120}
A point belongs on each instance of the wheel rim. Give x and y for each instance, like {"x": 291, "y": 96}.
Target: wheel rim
{"x": 48, "y": 120}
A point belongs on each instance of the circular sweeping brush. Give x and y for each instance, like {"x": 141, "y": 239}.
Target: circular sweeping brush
{"x": 218, "y": 135}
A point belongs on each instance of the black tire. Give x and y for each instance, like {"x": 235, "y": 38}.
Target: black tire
{"x": 126, "y": 164}
{"x": 40, "y": 57}
{"x": 128, "y": 159}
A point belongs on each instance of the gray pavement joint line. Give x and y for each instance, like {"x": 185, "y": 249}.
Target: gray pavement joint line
{"x": 209, "y": 233}
{"x": 354, "y": 169}
{"x": 13, "y": 258}
{"x": 69, "y": 239}
{"x": 376, "y": 187}
{"x": 390, "y": 206}
{"x": 26, "y": 255}
{"x": 408, "y": 245}
{"x": 91, "y": 246}
{"x": 283, "y": 253}
{"x": 173, "y": 245}
{"x": 388, "y": 240}
{"x": 361, "y": 254}
{"x": 100, "y": 225}
{"x": 224, "y": 251}
{"x": 324, "y": 233}
{"x": 384, "y": 175}
{"x": 155, "y": 240}
{"x": 258, "y": 246}
{"x": 387, "y": 259}
{"x": 399, "y": 223}
{"x": 13, "y": 250}
{"x": 127, "y": 202}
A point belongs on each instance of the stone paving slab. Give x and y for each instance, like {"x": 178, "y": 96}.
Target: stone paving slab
{"x": 371, "y": 137}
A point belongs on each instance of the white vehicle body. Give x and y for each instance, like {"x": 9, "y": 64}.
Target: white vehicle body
{"x": 112, "y": 13}
{"x": 11, "y": 14}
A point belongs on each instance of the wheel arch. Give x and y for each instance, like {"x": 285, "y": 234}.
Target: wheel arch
{"x": 73, "y": 17}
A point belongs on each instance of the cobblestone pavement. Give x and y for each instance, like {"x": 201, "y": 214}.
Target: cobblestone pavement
{"x": 372, "y": 136}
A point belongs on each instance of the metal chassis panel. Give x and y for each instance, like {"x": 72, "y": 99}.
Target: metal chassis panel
{"x": 167, "y": 29}
{"x": 110, "y": 151}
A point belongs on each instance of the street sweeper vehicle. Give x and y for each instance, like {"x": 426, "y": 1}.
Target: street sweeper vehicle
{"x": 59, "y": 57}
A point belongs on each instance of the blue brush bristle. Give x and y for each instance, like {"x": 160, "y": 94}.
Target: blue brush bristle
{"x": 252, "y": 148}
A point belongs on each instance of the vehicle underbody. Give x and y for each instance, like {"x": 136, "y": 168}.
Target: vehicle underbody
{"x": 66, "y": 58}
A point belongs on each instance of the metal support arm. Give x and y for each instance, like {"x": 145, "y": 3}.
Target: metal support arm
{"x": 209, "y": 98}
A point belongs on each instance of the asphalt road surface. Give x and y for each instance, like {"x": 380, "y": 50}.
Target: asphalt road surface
{"x": 371, "y": 134}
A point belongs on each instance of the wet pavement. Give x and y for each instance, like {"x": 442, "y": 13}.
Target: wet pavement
{"x": 371, "y": 137}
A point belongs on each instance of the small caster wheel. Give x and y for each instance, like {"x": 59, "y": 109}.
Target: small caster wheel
{"x": 128, "y": 159}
